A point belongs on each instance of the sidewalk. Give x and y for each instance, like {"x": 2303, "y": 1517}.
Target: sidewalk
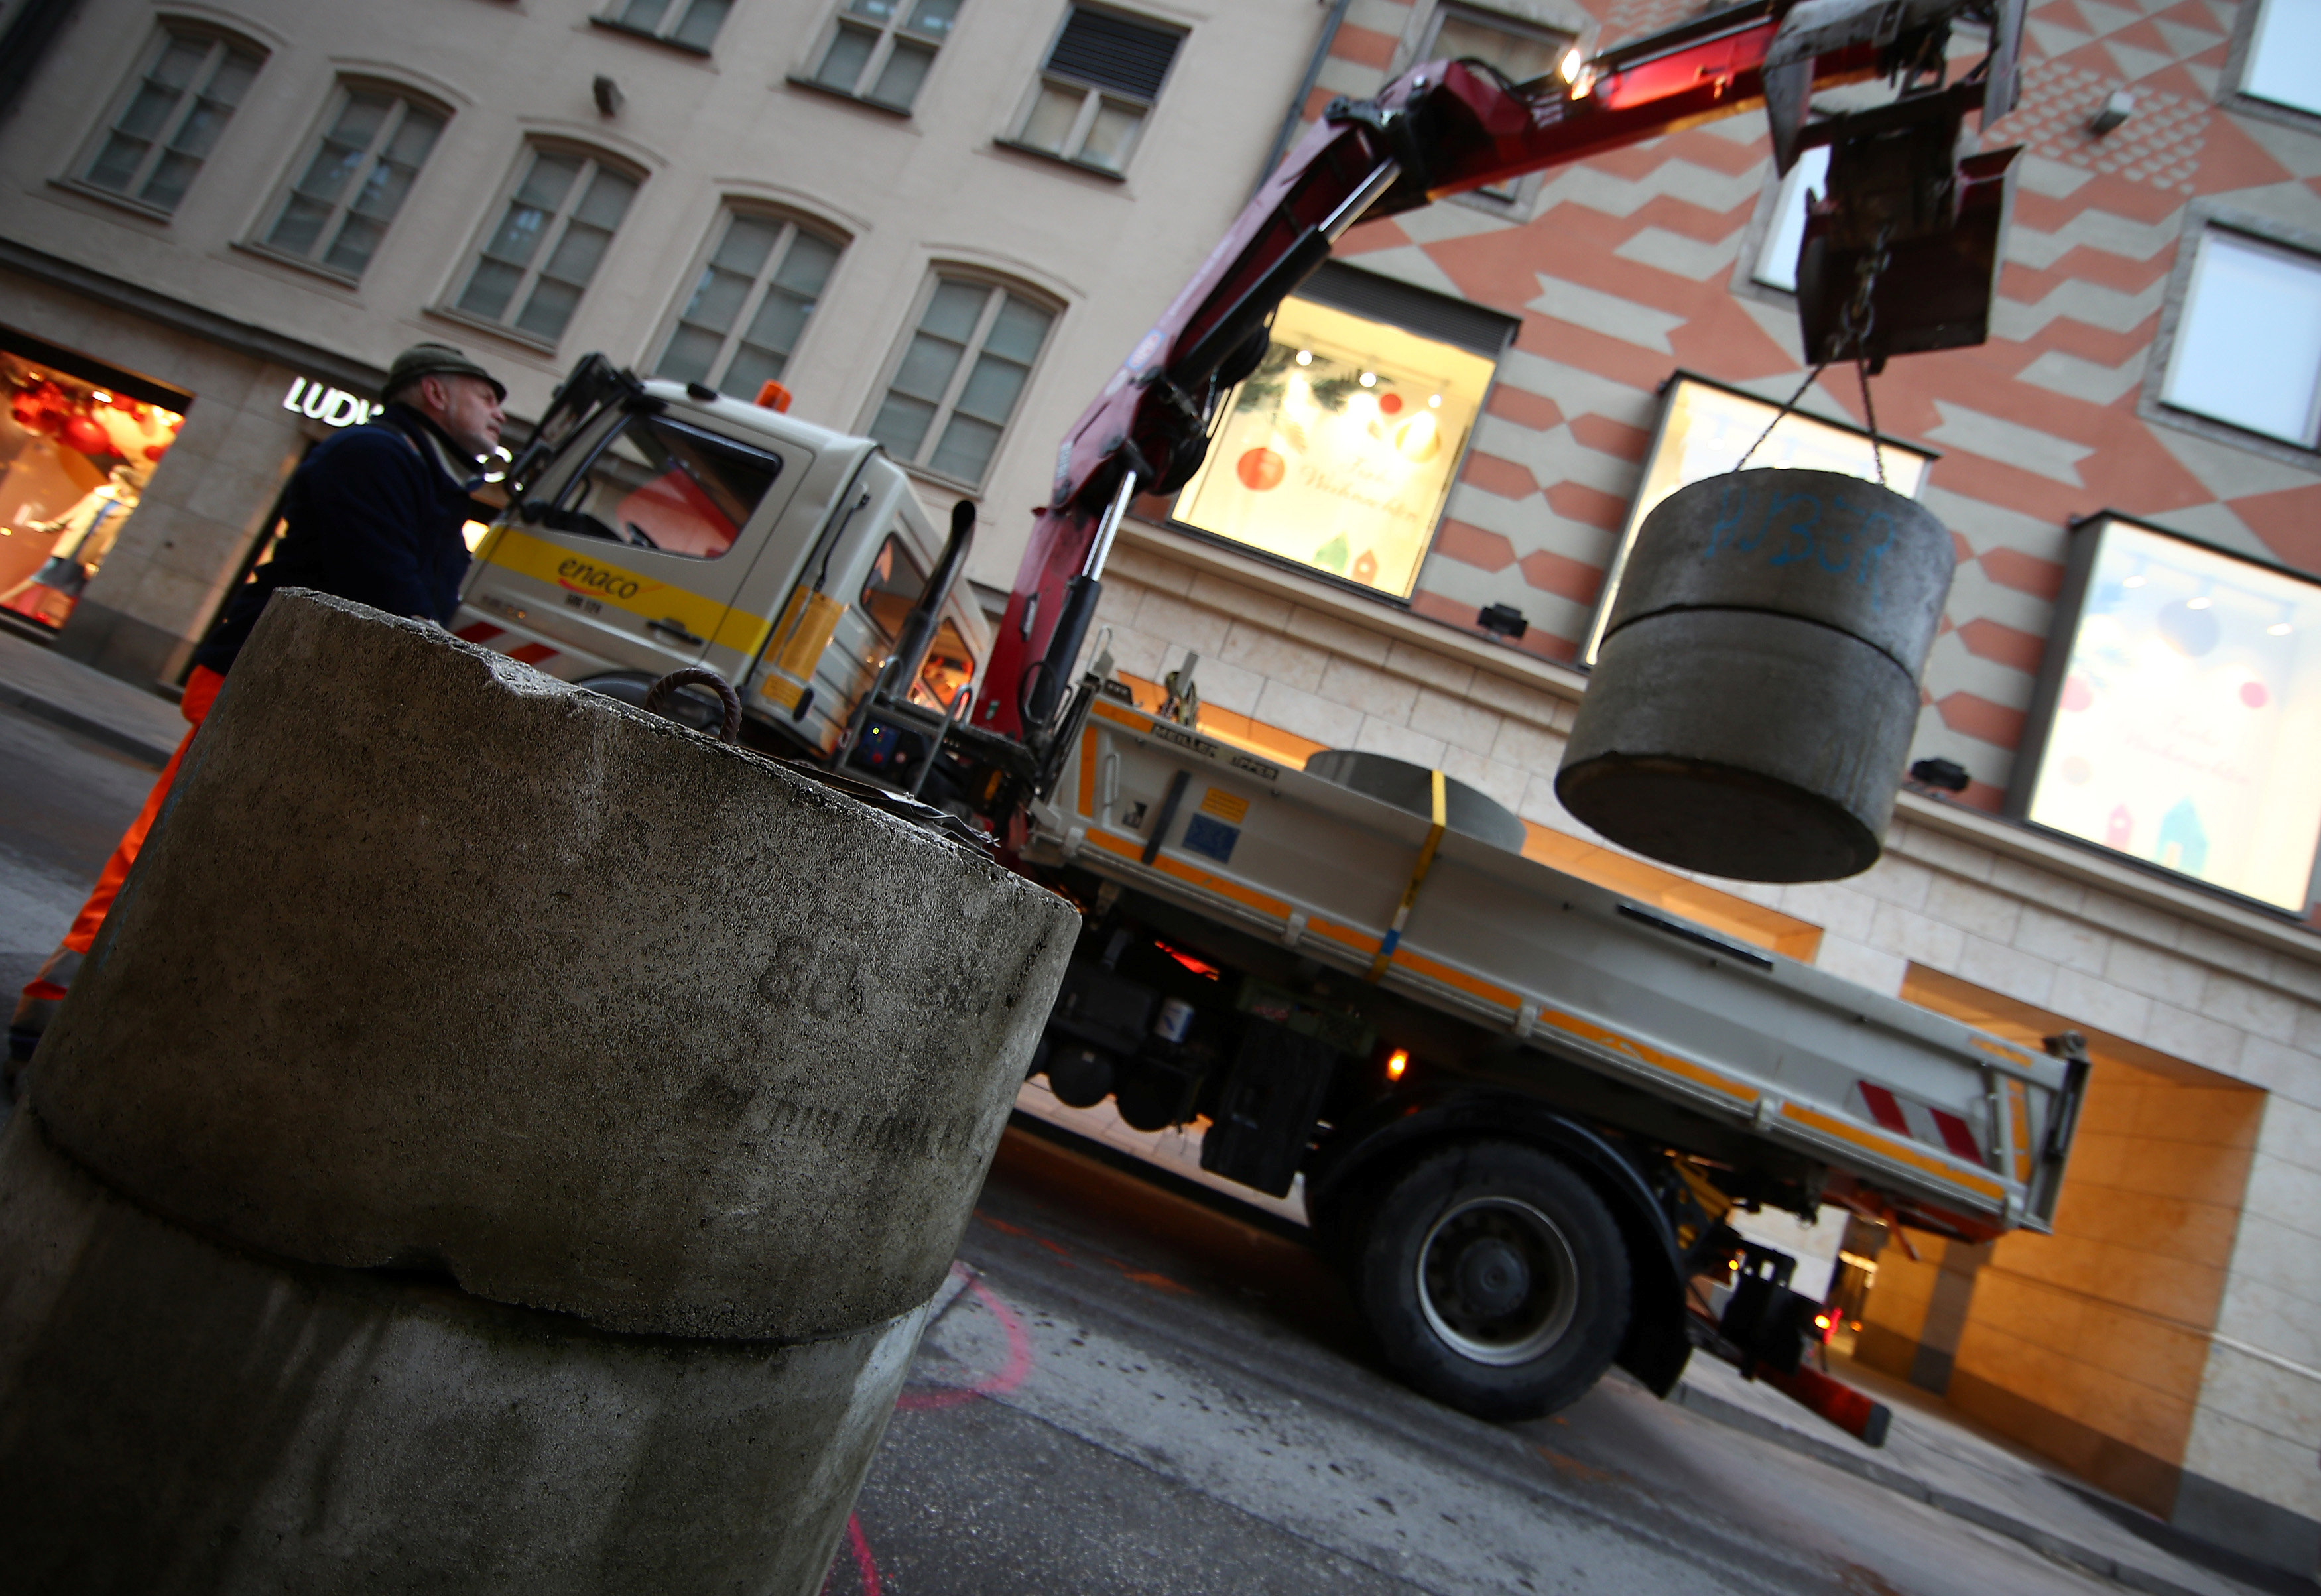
{"x": 1946, "y": 1461}
{"x": 127, "y": 719}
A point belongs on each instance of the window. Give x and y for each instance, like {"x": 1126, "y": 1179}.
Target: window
{"x": 2177, "y": 719}
{"x": 2284, "y": 56}
{"x": 959, "y": 378}
{"x": 1518, "y": 50}
{"x": 2247, "y": 351}
{"x": 879, "y": 51}
{"x": 690, "y": 25}
{"x": 520, "y": 279}
{"x": 750, "y": 305}
{"x": 365, "y": 162}
{"x": 1777, "y": 261}
{"x": 172, "y": 117}
{"x": 1100, "y": 80}
{"x": 658, "y": 484}
{"x": 1339, "y": 452}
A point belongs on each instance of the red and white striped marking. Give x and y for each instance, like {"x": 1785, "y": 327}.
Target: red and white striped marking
{"x": 483, "y": 631}
{"x": 1937, "y": 1128}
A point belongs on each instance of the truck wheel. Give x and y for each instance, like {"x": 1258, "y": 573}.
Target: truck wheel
{"x": 1495, "y": 1279}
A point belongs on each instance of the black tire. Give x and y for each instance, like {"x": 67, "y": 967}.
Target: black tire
{"x": 1495, "y": 1279}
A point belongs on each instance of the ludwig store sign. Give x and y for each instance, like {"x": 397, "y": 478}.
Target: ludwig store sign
{"x": 333, "y": 407}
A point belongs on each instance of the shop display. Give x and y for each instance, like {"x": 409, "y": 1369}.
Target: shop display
{"x": 75, "y": 457}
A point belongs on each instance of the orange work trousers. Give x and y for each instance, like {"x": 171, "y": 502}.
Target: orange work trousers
{"x": 201, "y": 692}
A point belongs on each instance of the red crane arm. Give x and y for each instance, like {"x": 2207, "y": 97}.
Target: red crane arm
{"x": 1439, "y": 129}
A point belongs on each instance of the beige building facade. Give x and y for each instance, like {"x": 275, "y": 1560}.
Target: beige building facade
{"x": 944, "y": 224}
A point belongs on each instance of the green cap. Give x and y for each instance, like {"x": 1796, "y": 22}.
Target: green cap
{"x": 435, "y": 359}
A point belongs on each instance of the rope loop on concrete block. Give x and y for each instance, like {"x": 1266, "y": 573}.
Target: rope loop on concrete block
{"x": 697, "y": 675}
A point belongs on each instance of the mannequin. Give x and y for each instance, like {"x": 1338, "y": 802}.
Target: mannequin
{"x": 84, "y": 535}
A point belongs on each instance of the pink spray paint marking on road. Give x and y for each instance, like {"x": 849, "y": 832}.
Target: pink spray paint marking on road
{"x": 1017, "y": 1370}
{"x": 866, "y": 1566}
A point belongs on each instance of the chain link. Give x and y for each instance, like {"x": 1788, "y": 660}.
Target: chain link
{"x": 1854, "y": 323}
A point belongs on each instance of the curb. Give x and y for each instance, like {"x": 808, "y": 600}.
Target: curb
{"x": 2044, "y": 1541}
{"x": 119, "y": 741}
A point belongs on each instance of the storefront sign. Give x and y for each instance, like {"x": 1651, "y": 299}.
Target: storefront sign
{"x": 1706, "y": 428}
{"x": 2179, "y": 718}
{"x": 1339, "y": 452}
{"x": 333, "y": 407}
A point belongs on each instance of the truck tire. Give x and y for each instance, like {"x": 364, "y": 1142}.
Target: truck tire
{"x": 1495, "y": 1279}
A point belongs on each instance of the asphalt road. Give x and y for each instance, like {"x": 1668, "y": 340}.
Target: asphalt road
{"x": 1134, "y": 1390}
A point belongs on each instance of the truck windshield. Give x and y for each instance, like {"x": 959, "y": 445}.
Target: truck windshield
{"x": 659, "y": 484}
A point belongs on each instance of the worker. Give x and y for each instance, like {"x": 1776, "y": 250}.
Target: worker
{"x": 374, "y": 514}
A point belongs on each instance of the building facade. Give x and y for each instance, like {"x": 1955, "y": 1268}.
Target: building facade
{"x": 944, "y": 221}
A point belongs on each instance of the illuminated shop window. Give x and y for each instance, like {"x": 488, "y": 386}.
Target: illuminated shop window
{"x": 2178, "y": 721}
{"x": 1704, "y": 429}
{"x": 1339, "y": 452}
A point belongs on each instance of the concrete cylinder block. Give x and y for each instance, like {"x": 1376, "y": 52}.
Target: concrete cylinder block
{"x": 180, "y": 1416}
{"x": 1754, "y": 697}
{"x": 436, "y": 963}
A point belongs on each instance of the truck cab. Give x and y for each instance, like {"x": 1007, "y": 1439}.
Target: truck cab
{"x": 656, "y": 525}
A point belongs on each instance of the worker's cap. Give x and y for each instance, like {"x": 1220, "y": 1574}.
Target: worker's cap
{"x": 436, "y": 359}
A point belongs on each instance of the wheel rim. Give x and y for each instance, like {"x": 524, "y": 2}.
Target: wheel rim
{"x": 1498, "y": 1281}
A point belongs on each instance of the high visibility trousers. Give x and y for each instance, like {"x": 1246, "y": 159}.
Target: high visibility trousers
{"x": 43, "y": 992}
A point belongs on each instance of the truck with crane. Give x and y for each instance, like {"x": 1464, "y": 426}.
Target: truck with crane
{"x": 1519, "y": 1110}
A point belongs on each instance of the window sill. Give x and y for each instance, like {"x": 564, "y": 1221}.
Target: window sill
{"x": 2241, "y": 102}
{"x": 699, "y": 52}
{"x": 935, "y": 478}
{"x": 2159, "y": 412}
{"x": 506, "y": 334}
{"x": 899, "y": 112}
{"x": 337, "y": 279}
{"x": 119, "y": 201}
{"x": 1090, "y": 167}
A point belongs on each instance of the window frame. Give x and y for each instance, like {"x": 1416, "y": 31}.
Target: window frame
{"x": 1093, "y": 97}
{"x": 2199, "y": 217}
{"x": 1515, "y": 200}
{"x": 882, "y": 50}
{"x": 2233, "y": 93}
{"x": 794, "y": 223}
{"x": 938, "y": 273}
{"x": 683, "y": 9}
{"x": 531, "y": 149}
{"x": 269, "y": 215}
{"x": 220, "y": 44}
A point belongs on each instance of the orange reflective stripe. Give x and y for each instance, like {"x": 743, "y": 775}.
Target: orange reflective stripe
{"x": 1885, "y": 1147}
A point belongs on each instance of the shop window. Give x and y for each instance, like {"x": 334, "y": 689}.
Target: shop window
{"x": 1338, "y": 453}
{"x": 2283, "y": 64}
{"x": 2247, "y": 346}
{"x": 367, "y": 156}
{"x": 2176, "y": 721}
{"x": 881, "y": 51}
{"x": 77, "y": 449}
{"x": 657, "y": 483}
{"x": 171, "y": 116}
{"x": 541, "y": 254}
{"x": 959, "y": 377}
{"x": 750, "y": 305}
{"x": 1099, "y": 85}
{"x": 1517, "y": 50}
{"x": 690, "y": 25}
{"x": 1777, "y": 259}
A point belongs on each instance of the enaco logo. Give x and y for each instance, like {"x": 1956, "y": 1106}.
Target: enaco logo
{"x": 581, "y": 576}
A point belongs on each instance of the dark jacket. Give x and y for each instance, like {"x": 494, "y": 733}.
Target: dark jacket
{"x": 374, "y": 514}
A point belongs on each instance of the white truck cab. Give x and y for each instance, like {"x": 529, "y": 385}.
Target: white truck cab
{"x": 669, "y": 525}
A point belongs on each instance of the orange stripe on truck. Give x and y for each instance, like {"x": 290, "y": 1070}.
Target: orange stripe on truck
{"x": 1886, "y": 1148}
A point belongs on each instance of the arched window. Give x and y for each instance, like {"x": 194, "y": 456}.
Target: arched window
{"x": 552, "y": 235}
{"x": 168, "y": 117}
{"x": 373, "y": 141}
{"x": 955, "y": 382}
{"x": 750, "y": 302}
